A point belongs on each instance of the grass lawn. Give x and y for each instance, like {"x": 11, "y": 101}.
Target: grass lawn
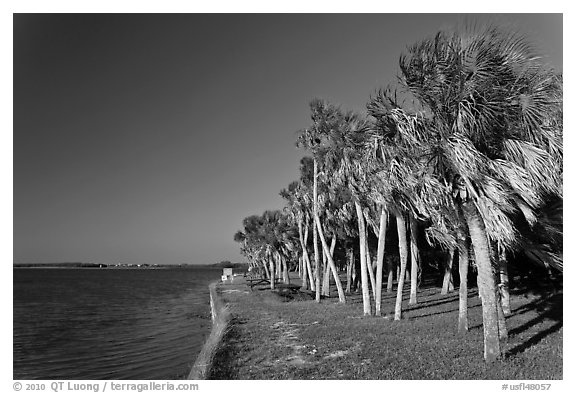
{"x": 277, "y": 337}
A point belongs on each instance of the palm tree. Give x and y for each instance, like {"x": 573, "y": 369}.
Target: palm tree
{"x": 415, "y": 259}
{"x": 298, "y": 210}
{"x": 326, "y": 119}
{"x": 369, "y": 264}
{"x": 463, "y": 247}
{"x": 399, "y": 182}
{"x": 401, "y": 225}
{"x": 489, "y": 135}
{"x": 447, "y": 282}
{"x": 363, "y": 262}
{"x": 380, "y": 258}
{"x": 325, "y": 246}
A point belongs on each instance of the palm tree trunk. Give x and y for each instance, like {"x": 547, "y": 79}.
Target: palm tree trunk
{"x": 333, "y": 245}
{"x": 355, "y": 279}
{"x": 447, "y": 283}
{"x": 390, "y": 283}
{"x": 502, "y": 330}
{"x": 349, "y": 266}
{"x": 341, "y": 297}
{"x": 463, "y": 290}
{"x": 303, "y": 270}
{"x": 272, "y": 275}
{"x": 415, "y": 258}
{"x": 486, "y": 282}
{"x": 325, "y": 272}
{"x": 308, "y": 263}
{"x": 363, "y": 264}
{"x": 326, "y": 283}
{"x": 370, "y": 268}
{"x": 308, "y": 274}
{"x": 285, "y": 275}
{"x": 403, "y": 250}
{"x": 299, "y": 266}
{"x": 504, "y": 284}
{"x": 304, "y": 275}
{"x": 278, "y": 268}
{"x": 317, "y": 268}
{"x": 495, "y": 253}
{"x": 266, "y": 271}
{"x": 380, "y": 259}
{"x": 315, "y": 232}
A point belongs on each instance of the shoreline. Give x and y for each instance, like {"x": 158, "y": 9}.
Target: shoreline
{"x": 220, "y": 324}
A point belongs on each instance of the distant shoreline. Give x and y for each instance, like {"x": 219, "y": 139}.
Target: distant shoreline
{"x": 79, "y": 265}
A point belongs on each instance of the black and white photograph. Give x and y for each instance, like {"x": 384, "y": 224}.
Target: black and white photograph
{"x": 280, "y": 196}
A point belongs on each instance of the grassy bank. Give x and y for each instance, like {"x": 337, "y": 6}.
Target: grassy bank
{"x": 277, "y": 337}
{"x": 220, "y": 324}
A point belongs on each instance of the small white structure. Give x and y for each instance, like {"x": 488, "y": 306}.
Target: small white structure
{"x": 227, "y": 275}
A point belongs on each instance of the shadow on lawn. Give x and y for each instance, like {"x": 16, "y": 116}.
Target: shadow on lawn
{"x": 549, "y": 309}
{"x": 433, "y": 302}
{"x": 452, "y": 310}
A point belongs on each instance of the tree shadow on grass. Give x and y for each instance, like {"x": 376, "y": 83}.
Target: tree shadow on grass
{"x": 550, "y": 306}
{"x": 432, "y": 303}
{"x": 534, "y": 339}
{"x": 549, "y": 309}
{"x": 453, "y": 310}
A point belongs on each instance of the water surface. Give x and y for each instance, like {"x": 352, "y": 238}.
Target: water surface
{"x": 109, "y": 323}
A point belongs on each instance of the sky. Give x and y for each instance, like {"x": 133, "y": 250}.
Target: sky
{"x": 148, "y": 138}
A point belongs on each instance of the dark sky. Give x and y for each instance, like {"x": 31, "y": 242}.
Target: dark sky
{"x": 148, "y": 138}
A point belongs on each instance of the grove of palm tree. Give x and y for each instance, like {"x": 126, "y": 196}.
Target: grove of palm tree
{"x": 452, "y": 175}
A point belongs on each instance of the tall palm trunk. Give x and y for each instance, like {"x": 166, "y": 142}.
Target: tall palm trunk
{"x": 414, "y": 258}
{"x": 278, "y": 268}
{"x": 363, "y": 263}
{"x": 502, "y": 330}
{"x": 303, "y": 269}
{"x": 504, "y": 284}
{"x": 370, "y": 268}
{"x": 448, "y": 283}
{"x": 495, "y": 259}
{"x": 333, "y": 245}
{"x": 486, "y": 282}
{"x": 380, "y": 259}
{"x": 266, "y": 271}
{"x": 325, "y": 272}
{"x": 304, "y": 275}
{"x": 349, "y": 267}
{"x": 285, "y": 273}
{"x": 315, "y": 232}
{"x": 317, "y": 267}
{"x": 355, "y": 275}
{"x": 341, "y": 297}
{"x": 463, "y": 290}
{"x": 326, "y": 283}
{"x": 403, "y": 250}
{"x": 308, "y": 263}
{"x": 318, "y": 226}
{"x": 272, "y": 275}
{"x": 390, "y": 283}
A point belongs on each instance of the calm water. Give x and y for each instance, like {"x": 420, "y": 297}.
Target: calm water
{"x": 109, "y": 323}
